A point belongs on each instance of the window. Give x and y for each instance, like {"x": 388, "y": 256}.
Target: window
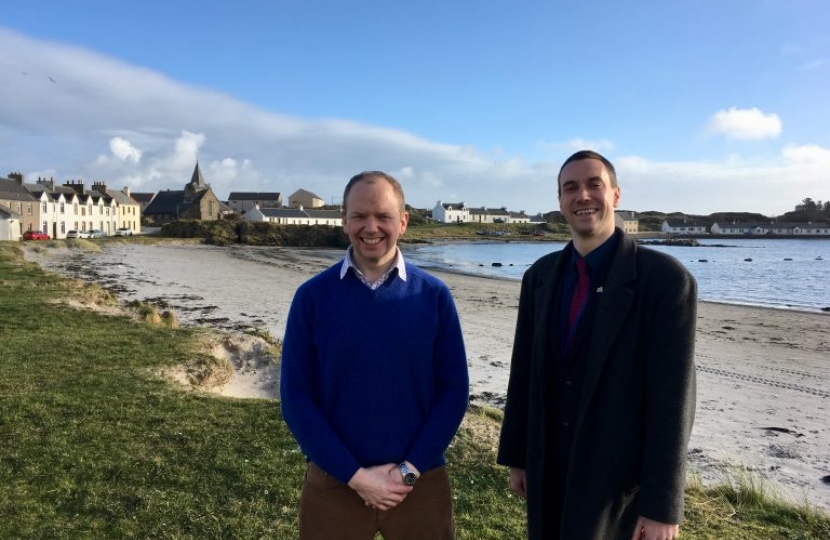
{"x": 63, "y": 208}
{"x": 45, "y": 207}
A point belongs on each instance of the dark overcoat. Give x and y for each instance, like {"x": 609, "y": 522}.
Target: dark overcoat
{"x": 636, "y": 404}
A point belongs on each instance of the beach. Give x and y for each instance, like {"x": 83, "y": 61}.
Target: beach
{"x": 763, "y": 375}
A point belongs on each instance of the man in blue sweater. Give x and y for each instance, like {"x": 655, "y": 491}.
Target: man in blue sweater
{"x": 374, "y": 382}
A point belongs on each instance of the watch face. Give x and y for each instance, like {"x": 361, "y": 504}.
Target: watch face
{"x": 409, "y": 479}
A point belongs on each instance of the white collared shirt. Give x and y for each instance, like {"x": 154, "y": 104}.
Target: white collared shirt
{"x": 349, "y": 263}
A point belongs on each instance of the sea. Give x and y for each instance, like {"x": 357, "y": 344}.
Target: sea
{"x": 775, "y": 273}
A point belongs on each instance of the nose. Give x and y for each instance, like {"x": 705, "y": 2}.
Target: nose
{"x": 581, "y": 193}
{"x": 371, "y": 224}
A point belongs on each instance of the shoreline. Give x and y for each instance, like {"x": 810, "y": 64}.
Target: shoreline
{"x": 763, "y": 374}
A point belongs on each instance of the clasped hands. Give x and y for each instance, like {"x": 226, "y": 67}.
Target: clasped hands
{"x": 381, "y": 486}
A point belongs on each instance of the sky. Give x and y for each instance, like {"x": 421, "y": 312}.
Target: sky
{"x": 703, "y": 106}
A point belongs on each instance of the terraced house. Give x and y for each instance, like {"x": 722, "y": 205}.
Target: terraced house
{"x": 54, "y": 209}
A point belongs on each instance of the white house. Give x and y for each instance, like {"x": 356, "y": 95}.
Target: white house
{"x": 294, "y": 216}
{"x": 778, "y": 229}
{"x": 683, "y": 226}
{"x": 9, "y": 224}
{"x": 450, "y": 212}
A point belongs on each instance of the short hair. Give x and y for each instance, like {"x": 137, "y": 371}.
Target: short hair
{"x": 588, "y": 154}
{"x": 370, "y": 176}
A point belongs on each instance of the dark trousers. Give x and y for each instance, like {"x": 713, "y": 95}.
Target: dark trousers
{"x": 331, "y": 510}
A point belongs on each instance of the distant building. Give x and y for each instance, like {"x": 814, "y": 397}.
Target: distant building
{"x": 683, "y": 226}
{"x": 128, "y": 214}
{"x": 195, "y": 201}
{"x": 9, "y": 224}
{"x": 518, "y": 217}
{"x": 17, "y": 200}
{"x": 89, "y": 209}
{"x": 772, "y": 229}
{"x": 450, "y": 212}
{"x": 294, "y": 216}
{"x": 627, "y": 221}
{"x": 304, "y": 198}
{"x": 242, "y": 201}
{"x": 143, "y": 199}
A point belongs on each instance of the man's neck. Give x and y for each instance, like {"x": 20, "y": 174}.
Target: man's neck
{"x": 373, "y": 271}
{"x": 585, "y": 245}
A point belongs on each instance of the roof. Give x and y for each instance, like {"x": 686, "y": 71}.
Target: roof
{"x": 167, "y": 202}
{"x": 456, "y": 206}
{"x": 254, "y": 196}
{"x": 11, "y": 190}
{"x": 771, "y": 225}
{"x": 197, "y": 179}
{"x": 685, "y": 223}
{"x": 323, "y": 214}
{"x": 142, "y": 197}
{"x": 284, "y": 213}
{"x": 304, "y": 193}
{"x": 627, "y": 215}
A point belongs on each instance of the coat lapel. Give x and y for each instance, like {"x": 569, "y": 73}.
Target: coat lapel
{"x": 547, "y": 309}
{"x": 611, "y": 314}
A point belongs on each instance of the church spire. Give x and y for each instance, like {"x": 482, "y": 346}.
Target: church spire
{"x": 197, "y": 181}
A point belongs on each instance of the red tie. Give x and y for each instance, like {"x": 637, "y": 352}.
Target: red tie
{"x": 580, "y": 293}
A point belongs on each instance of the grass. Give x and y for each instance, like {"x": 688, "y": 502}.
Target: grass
{"x": 95, "y": 444}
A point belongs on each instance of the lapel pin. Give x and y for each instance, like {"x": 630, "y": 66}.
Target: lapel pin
{"x": 599, "y": 289}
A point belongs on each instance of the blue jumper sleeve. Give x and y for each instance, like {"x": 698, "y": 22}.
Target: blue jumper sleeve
{"x": 298, "y": 394}
{"x": 452, "y": 386}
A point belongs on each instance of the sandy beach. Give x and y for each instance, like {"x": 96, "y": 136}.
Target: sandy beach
{"x": 763, "y": 374}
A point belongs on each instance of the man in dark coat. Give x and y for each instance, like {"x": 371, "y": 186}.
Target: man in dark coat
{"x": 599, "y": 410}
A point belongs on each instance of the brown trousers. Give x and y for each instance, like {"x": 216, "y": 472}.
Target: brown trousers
{"x": 331, "y": 510}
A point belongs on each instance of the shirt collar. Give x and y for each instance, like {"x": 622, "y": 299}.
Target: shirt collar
{"x": 599, "y": 256}
{"x": 349, "y": 263}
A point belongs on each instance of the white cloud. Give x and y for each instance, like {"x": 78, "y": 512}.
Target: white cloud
{"x": 745, "y": 124}
{"x": 124, "y": 151}
{"x": 809, "y": 155}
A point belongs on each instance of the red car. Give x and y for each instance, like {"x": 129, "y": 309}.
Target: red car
{"x": 35, "y": 235}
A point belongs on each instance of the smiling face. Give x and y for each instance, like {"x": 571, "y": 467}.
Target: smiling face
{"x": 374, "y": 219}
{"x": 587, "y": 200}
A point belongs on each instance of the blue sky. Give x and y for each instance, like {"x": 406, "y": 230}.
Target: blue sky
{"x": 703, "y": 106}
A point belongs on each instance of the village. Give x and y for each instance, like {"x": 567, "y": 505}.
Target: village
{"x": 47, "y": 209}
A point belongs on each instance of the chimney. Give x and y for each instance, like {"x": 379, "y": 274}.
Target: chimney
{"x": 126, "y": 191}
{"x": 17, "y": 177}
{"x": 77, "y": 186}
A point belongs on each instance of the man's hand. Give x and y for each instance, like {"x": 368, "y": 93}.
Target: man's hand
{"x": 380, "y": 486}
{"x": 518, "y": 482}
{"x": 648, "y": 529}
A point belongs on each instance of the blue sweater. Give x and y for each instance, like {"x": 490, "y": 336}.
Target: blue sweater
{"x": 373, "y": 376}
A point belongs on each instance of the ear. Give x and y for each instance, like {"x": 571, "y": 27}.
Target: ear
{"x": 404, "y": 221}
{"x": 617, "y": 197}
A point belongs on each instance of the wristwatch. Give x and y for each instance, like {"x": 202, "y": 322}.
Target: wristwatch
{"x": 409, "y": 477}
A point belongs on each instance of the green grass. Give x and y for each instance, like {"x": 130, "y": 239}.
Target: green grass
{"x": 95, "y": 443}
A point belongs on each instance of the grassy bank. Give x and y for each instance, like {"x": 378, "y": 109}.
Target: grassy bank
{"x": 96, "y": 443}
